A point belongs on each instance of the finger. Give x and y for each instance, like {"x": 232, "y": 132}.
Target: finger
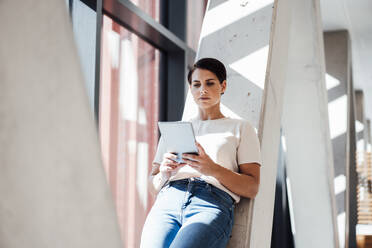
{"x": 170, "y": 155}
{"x": 195, "y": 167}
{"x": 171, "y": 162}
{"x": 180, "y": 165}
{"x": 200, "y": 148}
{"x": 167, "y": 168}
{"x": 192, "y": 163}
{"x": 190, "y": 156}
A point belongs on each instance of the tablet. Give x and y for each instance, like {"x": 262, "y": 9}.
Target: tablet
{"x": 178, "y": 137}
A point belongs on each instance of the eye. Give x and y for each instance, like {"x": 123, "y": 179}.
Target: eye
{"x": 196, "y": 85}
{"x": 210, "y": 83}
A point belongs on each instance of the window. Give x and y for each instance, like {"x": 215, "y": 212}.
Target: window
{"x": 128, "y": 123}
{"x": 195, "y": 15}
{"x": 150, "y": 7}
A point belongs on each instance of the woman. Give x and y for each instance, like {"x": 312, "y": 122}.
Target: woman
{"x": 195, "y": 205}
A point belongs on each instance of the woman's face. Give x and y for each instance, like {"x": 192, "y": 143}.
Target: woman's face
{"x": 206, "y": 88}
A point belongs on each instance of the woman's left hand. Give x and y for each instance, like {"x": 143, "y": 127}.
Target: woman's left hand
{"x": 202, "y": 162}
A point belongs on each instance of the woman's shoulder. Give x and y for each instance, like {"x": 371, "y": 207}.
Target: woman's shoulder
{"x": 243, "y": 125}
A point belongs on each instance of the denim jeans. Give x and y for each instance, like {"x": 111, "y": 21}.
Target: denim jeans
{"x": 189, "y": 213}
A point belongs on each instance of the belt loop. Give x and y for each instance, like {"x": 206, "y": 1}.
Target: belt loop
{"x": 208, "y": 186}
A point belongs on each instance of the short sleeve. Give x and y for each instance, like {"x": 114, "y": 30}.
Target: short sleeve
{"x": 160, "y": 151}
{"x": 249, "y": 145}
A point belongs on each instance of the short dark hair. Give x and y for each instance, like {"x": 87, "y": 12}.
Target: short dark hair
{"x": 210, "y": 64}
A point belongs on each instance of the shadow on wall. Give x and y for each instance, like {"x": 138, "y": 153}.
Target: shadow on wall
{"x": 240, "y": 40}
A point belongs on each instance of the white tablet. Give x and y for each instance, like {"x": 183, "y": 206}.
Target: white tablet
{"x": 178, "y": 137}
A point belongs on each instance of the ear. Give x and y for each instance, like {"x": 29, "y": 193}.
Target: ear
{"x": 223, "y": 87}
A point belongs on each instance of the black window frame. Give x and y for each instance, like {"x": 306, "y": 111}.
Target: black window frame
{"x": 168, "y": 35}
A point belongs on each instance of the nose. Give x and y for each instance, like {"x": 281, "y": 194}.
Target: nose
{"x": 203, "y": 90}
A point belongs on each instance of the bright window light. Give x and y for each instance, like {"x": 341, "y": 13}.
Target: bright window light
{"x": 363, "y": 229}
{"x": 142, "y": 172}
{"x": 128, "y": 82}
{"x": 113, "y": 40}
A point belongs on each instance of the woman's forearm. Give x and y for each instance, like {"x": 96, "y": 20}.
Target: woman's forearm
{"x": 240, "y": 184}
{"x": 156, "y": 179}
{"x": 156, "y": 182}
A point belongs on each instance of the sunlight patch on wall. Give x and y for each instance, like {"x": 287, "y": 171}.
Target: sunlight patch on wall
{"x": 284, "y": 144}
{"x": 340, "y": 184}
{"x": 341, "y": 228}
{"x": 253, "y": 66}
{"x": 358, "y": 126}
{"x": 331, "y": 82}
{"x": 290, "y": 206}
{"x": 337, "y": 111}
{"x": 216, "y": 18}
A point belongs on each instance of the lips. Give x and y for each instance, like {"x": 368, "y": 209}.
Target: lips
{"x": 204, "y": 98}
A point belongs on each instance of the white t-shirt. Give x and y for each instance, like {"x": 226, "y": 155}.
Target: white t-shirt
{"x": 228, "y": 142}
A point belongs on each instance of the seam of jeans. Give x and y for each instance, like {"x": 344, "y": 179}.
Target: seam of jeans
{"x": 185, "y": 201}
{"x": 222, "y": 236}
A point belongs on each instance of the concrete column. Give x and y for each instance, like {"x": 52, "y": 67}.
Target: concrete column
{"x": 369, "y": 135}
{"x": 351, "y": 173}
{"x": 52, "y": 183}
{"x": 269, "y": 128}
{"x": 360, "y": 123}
{"x": 251, "y": 39}
{"x": 336, "y": 46}
{"x": 305, "y": 126}
{"x": 361, "y": 160}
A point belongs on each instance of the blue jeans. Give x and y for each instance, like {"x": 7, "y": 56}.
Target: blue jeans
{"x": 189, "y": 213}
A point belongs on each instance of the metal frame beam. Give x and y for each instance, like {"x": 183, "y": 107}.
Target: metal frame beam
{"x": 138, "y": 22}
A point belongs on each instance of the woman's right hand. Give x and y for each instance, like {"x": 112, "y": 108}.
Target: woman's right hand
{"x": 168, "y": 166}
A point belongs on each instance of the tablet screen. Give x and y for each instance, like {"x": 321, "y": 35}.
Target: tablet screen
{"x": 178, "y": 137}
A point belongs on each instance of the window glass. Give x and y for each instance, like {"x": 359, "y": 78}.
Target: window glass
{"x": 128, "y": 123}
{"x": 150, "y": 7}
{"x": 195, "y": 14}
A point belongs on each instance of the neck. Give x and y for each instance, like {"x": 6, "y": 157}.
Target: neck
{"x": 210, "y": 114}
